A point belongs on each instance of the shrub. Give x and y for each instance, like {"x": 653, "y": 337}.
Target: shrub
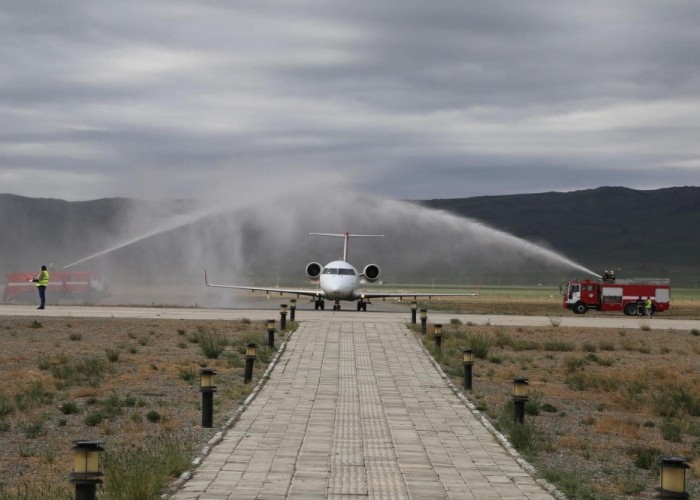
{"x": 675, "y": 400}
{"x": 112, "y": 355}
{"x": 153, "y": 416}
{"x": 189, "y": 375}
{"x": 211, "y": 344}
{"x": 70, "y": 408}
{"x": 559, "y": 346}
{"x": 33, "y": 430}
{"x": 144, "y": 470}
{"x": 6, "y": 406}
{"x": 94, "y": 418}
{"x": 75, "y": 337}
{"x": 479, "y": 343}
{"x": 671, "y": 431}
{"x": 606, "y": 345}
{"x": 456, "y": 322}
{"x": 645, "y": 458}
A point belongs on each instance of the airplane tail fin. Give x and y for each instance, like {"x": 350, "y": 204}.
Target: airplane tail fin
{"x": 206, "y": 281}
{"x": 346, "y": 235}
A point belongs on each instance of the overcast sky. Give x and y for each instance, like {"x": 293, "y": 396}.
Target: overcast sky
{"x": 401, "y": 98}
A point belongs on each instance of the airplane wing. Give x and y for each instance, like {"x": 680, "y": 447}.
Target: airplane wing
{"x": 293, "y": 291}
{"x": 401, "y": 295}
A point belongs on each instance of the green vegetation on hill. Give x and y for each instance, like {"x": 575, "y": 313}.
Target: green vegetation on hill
{"x": 638, "y": 233}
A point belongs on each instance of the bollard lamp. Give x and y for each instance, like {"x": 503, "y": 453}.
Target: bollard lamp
{"x": 438, "y": 329}
{"x": 292, "y": 303}
{"x": 468, "y": 356}
{"x": 283, "y": 309}
{"x": 86, "y": 469}
{"x": 414, "y": 306}
{"x": 672, "y": 471}
{"x": 270, "y": 325}
{"x": 423, "y": 314}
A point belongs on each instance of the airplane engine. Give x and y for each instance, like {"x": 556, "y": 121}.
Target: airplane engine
{"x": 371, "y": 272}
{"x": 313, "y": 270}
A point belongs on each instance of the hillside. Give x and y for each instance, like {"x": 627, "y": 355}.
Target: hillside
{"x": 641, "y": 233}
{"x": 638, "y": 233}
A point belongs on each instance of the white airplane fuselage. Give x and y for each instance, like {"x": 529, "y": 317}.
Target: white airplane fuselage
{"x": 339, "y": 280}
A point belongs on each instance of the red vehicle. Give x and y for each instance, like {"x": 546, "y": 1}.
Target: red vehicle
{"x": 86, "y": 286}
{"x": 626, "y": 295}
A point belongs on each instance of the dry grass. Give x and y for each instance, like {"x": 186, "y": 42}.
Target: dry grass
{"x": 604, "y": 407}
{"x": 40, "y": 368}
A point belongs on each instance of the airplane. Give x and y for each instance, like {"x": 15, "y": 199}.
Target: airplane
{"x": 339, "y": 280}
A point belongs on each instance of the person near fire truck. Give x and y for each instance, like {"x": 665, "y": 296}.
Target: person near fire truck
{"x": 640, "y": 306}
{"x": 42, "y": 281}
{"x": 647, "y": 307}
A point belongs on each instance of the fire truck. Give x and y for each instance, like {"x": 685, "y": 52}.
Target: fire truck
{"x": 610, "y": 294}
{"x": 85, "y": 286}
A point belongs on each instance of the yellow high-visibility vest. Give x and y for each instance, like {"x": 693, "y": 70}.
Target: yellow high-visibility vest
{"x": 43, "y": 278}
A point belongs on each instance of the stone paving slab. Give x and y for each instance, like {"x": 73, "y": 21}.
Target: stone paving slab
{"x": 357, "y": 410}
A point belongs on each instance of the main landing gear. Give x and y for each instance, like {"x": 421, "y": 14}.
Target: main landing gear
{"x": 362, "y": 305}
{"x": 320, "y": 304}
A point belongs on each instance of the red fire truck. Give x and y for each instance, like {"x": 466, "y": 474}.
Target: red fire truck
{"x": 86, "y": 286}
{"x": 626, "y": 295}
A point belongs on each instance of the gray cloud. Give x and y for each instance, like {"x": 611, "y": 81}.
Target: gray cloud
{"x": 405, "y": 99}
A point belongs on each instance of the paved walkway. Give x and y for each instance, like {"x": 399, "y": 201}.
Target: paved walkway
{"x": 357, "y": 410}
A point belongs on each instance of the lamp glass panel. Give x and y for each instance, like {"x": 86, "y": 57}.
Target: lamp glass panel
{"x": 206, "y": 379}
{"x": 86, "y": 462}
{"x": 673, "y": 479}
{"x": 519, "y": 388}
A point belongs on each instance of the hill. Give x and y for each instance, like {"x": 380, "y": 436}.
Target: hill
{"x": 638, "y": 233}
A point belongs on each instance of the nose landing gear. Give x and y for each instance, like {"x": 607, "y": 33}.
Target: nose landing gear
{"x": 319, "y": 304}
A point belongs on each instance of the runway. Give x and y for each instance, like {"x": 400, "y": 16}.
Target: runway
{"x": 390, "y": 314}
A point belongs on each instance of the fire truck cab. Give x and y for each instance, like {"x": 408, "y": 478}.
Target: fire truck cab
{"x": 626, "y": 295}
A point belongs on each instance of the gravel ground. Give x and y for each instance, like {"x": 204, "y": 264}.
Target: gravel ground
{"x": 603, "y": 398}
{"x": 149, "y": 367}
{"x": 595, "y": 391}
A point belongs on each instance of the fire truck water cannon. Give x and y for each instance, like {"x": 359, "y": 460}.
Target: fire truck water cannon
{"x": 633, "y": 297}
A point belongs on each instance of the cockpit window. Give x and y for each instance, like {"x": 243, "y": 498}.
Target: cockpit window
{"x": 335, "y": 270}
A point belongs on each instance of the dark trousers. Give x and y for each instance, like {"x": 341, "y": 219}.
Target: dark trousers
{"x": 42, "y": 295}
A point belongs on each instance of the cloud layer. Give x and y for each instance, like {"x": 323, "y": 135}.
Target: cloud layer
{"x": 404, "y": 99}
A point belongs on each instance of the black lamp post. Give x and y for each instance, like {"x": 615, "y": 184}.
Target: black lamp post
{"x": 438, "y": 335}
{"x": 250, "y": 355}
{"x": 423, "y": 321}
{"x": 207, "y": 388}
{"x": 292, "y": 309}
{"x": 672, "y": 471}
{"x": 468, "y": 360}
{"x": 271, "y": 333}
{"x": 283, "y": 317}
{"x": 520, "y": 397}
{"x": 86, "y": 468}
{"x": 414, "y": 307}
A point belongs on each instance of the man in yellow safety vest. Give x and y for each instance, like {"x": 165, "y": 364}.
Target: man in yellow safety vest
{"x": 42, "y": 281}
